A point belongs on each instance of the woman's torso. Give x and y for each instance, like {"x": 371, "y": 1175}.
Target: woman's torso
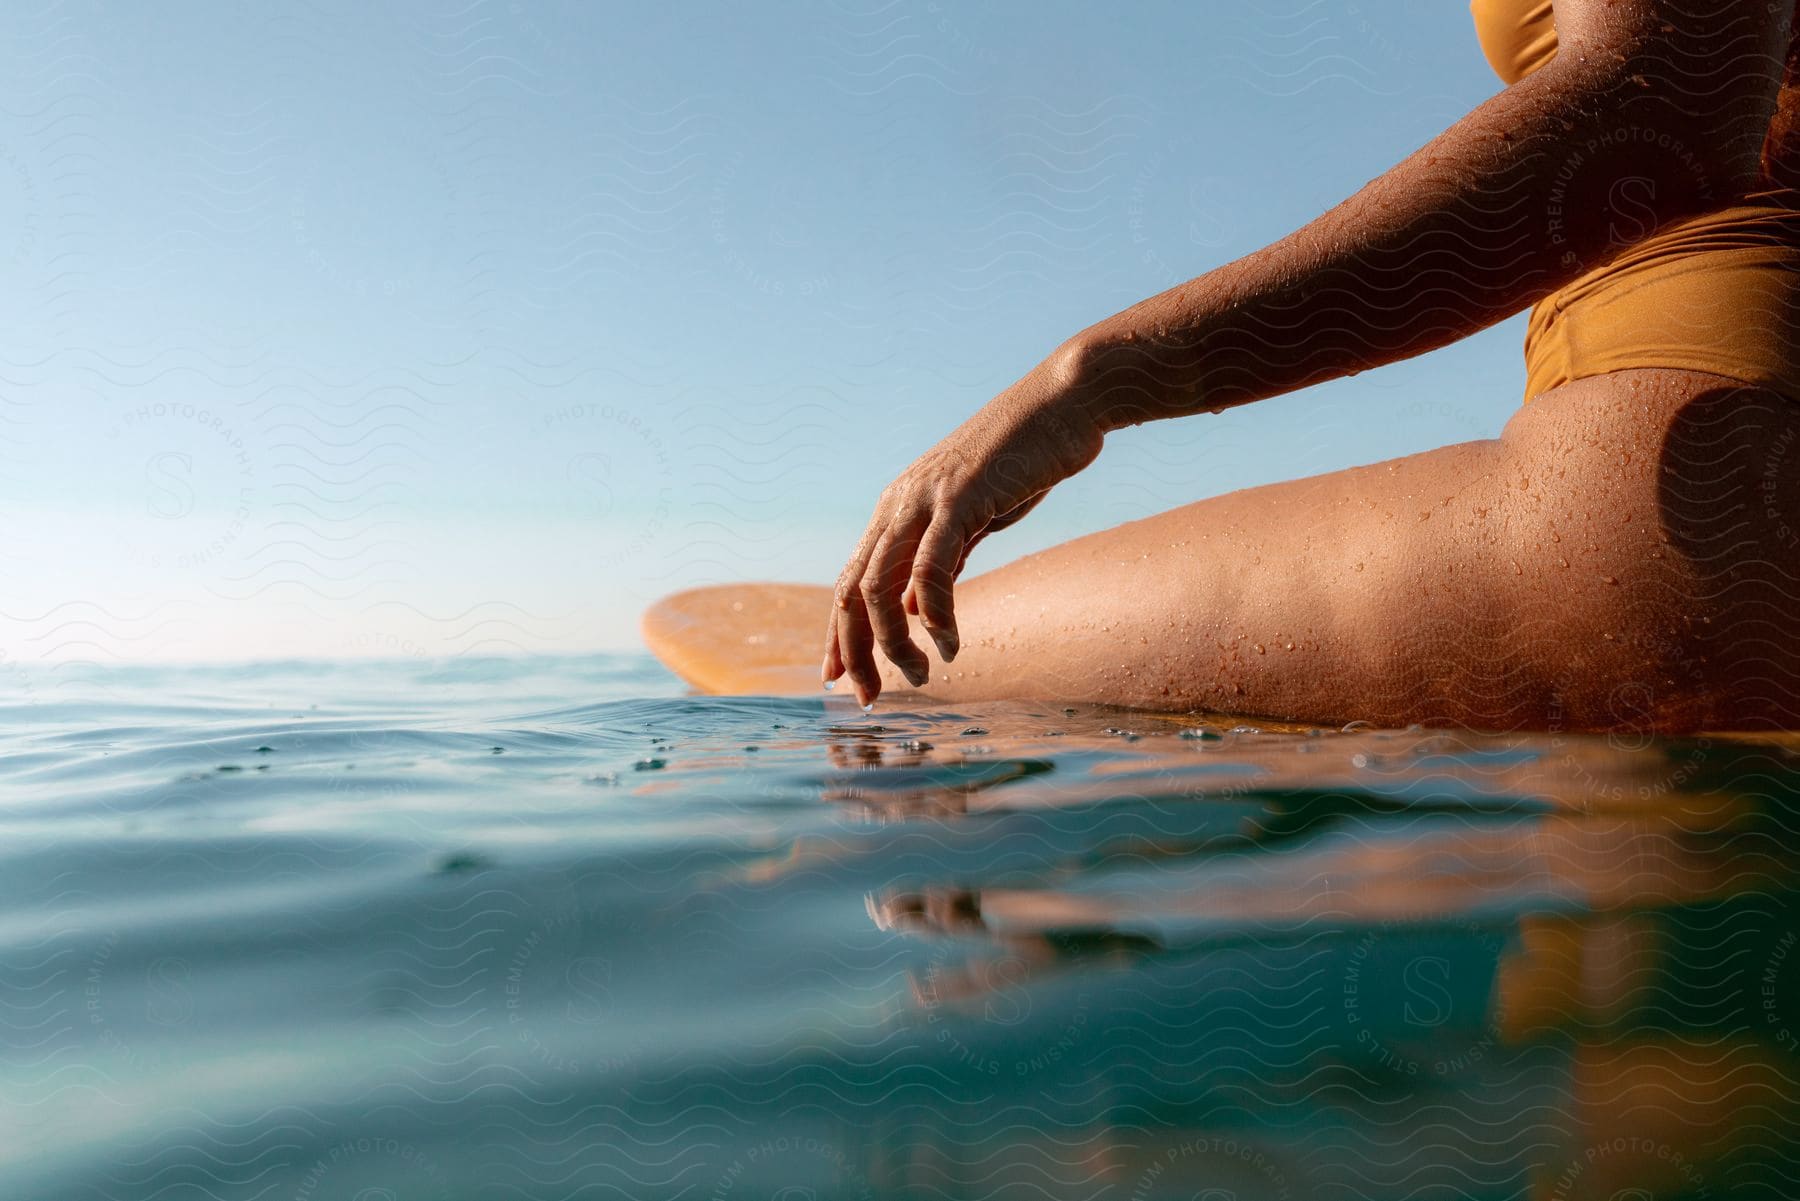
{"x": 1519, "y": 36}
{"x": 1718, "y": 292}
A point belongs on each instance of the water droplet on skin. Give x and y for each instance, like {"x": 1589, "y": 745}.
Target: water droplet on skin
{"x": 869, "y": 708}
{"x": 1259, "y": 649}
{"x": 1610, "y": 579}
{"x": 830, "y": 685}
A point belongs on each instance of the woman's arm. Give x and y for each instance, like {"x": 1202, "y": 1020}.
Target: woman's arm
{"x": 1650, "y": 111}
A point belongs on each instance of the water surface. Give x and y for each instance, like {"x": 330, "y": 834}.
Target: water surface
{"x": 548, "y": 928}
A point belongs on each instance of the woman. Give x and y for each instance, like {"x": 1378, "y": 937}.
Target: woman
{"x": 1621, "y": 557}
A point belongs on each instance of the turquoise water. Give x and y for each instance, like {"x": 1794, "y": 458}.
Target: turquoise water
{"x": 552, "y": 929}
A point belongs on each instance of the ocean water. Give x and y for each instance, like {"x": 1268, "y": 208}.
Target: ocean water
{"x": 550, "y": 928}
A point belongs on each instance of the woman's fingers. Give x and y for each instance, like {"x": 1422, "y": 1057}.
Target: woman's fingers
{"x": 901, "y": 565}
{"x": 906, "y": 563}
{"x": 962, "y": 560}
{"x": 847, "y": 593}
{"x": 833, "y": 665}
{"x": 856, "y": 649}
{"x": 935, "y": 563}
{"x": 889, "y": 568}
{"x": 929, "y": 567}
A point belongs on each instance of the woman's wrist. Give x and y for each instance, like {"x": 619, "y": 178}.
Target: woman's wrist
{"x": 1120, "y": 379}
{"x": 1049, "y": 406}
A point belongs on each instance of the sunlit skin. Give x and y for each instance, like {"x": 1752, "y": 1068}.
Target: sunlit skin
{"x": 1621, "y": 557}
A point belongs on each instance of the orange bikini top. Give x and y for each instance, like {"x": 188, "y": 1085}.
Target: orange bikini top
{"x": 1517, "y": 36}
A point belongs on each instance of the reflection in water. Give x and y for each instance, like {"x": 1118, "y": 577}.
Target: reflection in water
{"x": 477, "y": 945}
{"x": 1608, "y": 938}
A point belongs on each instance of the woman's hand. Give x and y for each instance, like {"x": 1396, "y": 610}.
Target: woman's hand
{"x": 986, "y": 475}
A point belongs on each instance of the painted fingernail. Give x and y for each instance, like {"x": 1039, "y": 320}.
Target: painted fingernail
{"x": 916, "y": 675}
{"x": 946, "y": 643}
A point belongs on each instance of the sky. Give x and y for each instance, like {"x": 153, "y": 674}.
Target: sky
{"x": 344, "y": 330}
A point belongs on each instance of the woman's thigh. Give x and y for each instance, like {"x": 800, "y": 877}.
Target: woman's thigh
{"x": 1587, "y": 569}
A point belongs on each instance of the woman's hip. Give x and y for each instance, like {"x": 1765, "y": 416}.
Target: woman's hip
{"x": 1662, "y": 507}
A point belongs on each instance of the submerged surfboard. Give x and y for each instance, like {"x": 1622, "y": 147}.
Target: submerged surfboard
{"x": 738, "y": 639}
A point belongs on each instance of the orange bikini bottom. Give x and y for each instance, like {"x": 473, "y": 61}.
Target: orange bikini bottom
{"x": 1719, "y": 292}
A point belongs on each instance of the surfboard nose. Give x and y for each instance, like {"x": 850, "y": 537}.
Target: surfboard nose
{"x": 742, "y": 639}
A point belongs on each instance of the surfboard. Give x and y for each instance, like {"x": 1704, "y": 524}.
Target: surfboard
{"x": 742, "y": 639}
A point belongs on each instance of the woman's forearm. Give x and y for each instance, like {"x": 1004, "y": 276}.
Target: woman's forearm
{"x": 1537, "y": 185}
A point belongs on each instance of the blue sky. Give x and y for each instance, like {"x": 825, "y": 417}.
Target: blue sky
{"x": 424, "y": 330}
